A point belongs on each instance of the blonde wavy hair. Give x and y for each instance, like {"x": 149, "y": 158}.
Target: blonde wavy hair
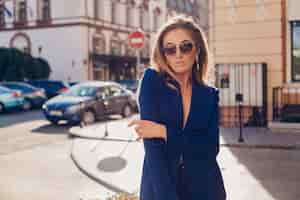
{"x": 158, "y": 59}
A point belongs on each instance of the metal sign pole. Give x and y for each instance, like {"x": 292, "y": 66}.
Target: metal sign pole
{"x": 138, "y": 62}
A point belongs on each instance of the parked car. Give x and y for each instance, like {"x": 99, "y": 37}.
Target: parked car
{"x": 129, "y": 84}
{"x": 52, "y": 88}
{"x": 10, "y": 99}
{"x": 33, "y": 97}
{"x": 90, "y": 101}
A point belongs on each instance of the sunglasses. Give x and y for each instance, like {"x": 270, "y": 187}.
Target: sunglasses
{"x": 185, "y": 47}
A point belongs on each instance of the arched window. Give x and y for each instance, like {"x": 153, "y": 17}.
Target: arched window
{"x": 99, "y": 43}
{"x": 22, "y": 42}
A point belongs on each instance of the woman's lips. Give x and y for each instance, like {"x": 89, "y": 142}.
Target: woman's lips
{"x": 179, "y": 63}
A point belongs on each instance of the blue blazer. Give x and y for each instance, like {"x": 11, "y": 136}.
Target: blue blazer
{"x": 197, "y": 142}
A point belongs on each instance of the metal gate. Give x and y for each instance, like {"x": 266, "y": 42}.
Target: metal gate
{"x": 242, "y": 86}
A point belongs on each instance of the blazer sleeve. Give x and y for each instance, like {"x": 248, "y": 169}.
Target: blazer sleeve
{"x": 213, "y": 126}
{"x": 155, "y": 156}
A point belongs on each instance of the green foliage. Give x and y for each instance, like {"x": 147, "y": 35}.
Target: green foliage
{"x": 16, "y": 65}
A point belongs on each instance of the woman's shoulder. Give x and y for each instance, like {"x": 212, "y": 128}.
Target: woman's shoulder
{"x": 210, "y": 91}
{"x": 151, "y": 72}
{"x": 151, "y": 76}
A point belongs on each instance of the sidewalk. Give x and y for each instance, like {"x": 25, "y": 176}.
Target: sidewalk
{"x": 116, "y": 160}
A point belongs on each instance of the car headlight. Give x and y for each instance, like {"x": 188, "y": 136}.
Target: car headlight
{"x": 44, "y": 106}
{"x": 73, "y": 109}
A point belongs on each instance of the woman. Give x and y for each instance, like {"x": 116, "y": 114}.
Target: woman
{"x": 179, "y": 118}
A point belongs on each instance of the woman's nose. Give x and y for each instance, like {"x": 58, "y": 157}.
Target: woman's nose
{"x": 178, "y": 53}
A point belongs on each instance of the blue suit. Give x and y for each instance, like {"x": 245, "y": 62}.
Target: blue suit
{"x": 197, "y": 142}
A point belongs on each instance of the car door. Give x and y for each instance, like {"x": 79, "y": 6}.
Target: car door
{"x": 118, "y": 99}
{"x": 100, "y": 106}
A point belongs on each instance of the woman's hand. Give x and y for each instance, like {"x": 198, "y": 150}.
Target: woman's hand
{"x": 149, "y": 129}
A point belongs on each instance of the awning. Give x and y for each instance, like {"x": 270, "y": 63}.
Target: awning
{"x": 114, "y": 58}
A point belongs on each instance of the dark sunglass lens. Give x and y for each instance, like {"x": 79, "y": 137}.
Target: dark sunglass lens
{"x": 170, "y": 50}
{"x": 186, "y": 47}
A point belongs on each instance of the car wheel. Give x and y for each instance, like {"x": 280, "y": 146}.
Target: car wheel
{"x": 127, "y": 111}
{"x": 88, "y": 117}
{"x": 27, "y": 105}
{"x": 1, "y": 108}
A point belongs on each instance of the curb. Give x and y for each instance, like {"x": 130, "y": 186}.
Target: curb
{"x": 94, "y": 178}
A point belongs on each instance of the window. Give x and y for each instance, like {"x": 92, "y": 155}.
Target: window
{"x": 181, "y": 6}
{"x": 171, "y": 4}
{"x": 45, "y": 10}
{"x": 141, "y": 16}
{"x": 156, "y": 15}
{"x": 116, "y": 47}
{"x": 188, "y": 6}
{"x": 99, "y": 44}
{"x": 145, "y": 51}
{"x": 2, "y": 16}
{"x": 130, "y": 51}
{"x": 130, "y": 15}
{"x": 114, "y": 91}
{"x": 144, "y": 18}
{"x": 99, "y": 12}
{"x": 21, "y": 11}
{"x": 295, "y": 50}
{"x": 113, "y": 12}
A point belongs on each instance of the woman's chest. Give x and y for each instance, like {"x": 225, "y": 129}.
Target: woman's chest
{"x": 174, "y": 108}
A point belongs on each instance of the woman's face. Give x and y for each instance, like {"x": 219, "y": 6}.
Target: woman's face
{"x": 179, "y": 50}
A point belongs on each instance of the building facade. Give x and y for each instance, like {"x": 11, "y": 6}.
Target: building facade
{"x": 255, "y": 45}
{"x": 88, "y": 39}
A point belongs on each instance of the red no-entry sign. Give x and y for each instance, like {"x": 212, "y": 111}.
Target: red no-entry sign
{"x": 136, "y": 40}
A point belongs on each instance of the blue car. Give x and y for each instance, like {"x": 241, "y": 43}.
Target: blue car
{"x": 52, "y": 88}
{"x": 10, "y": 99}
{"x": 33, "y": 97}
{"x": 87, "y": 102}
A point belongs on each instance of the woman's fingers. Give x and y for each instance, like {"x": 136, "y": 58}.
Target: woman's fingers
{"x": 141, "y": 126}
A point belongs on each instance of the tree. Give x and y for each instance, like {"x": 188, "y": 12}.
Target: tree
{"x": 16, "y": 65}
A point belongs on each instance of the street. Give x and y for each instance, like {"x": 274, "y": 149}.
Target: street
{"x": 35, "y": 161}
{"x": 35, "y": 164}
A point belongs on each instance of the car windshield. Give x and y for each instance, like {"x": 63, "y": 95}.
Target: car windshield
{"x": 81, "y": 91}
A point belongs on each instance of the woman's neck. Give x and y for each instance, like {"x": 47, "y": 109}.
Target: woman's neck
{"x": 184, "y": 81}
